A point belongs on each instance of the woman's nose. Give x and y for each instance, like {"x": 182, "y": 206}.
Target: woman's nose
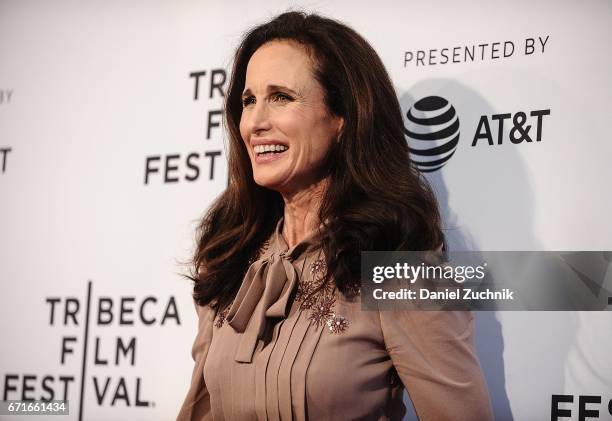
{"x": 259, "y": 118}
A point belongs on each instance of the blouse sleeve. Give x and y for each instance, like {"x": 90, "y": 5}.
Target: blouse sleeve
{"x": 434, "y": 355}
{"x": 196, "y": 405}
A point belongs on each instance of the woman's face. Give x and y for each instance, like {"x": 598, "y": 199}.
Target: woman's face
{"x": 285, "y": 124}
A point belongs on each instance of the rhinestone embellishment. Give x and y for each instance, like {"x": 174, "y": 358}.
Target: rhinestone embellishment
{"x": 318, "y": 268}
{"x": 319, "y": 299}
{"x": 337, "y": 324}
{"x": 321, "y": 311}
{"x": 222, "y": 316}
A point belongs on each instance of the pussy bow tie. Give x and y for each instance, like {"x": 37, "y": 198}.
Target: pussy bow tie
{"x": 264, "y": 293}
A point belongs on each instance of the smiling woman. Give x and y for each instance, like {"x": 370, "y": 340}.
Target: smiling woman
{"x": 319, "y": 171}
{"x": 285, "y": 124}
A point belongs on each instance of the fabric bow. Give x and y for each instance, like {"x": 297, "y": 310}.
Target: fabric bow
{"x": 264, "y": 294}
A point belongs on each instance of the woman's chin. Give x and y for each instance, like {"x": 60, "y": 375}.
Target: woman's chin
{"x": 272, "y": 182}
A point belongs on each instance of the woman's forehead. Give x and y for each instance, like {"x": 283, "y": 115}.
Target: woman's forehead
{"x": 279, "y": 63}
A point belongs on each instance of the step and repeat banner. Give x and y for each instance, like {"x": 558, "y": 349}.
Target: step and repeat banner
{"x": 112, "y": 148}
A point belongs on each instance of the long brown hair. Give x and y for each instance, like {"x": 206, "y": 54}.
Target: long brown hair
{"x": 376, "y": 199}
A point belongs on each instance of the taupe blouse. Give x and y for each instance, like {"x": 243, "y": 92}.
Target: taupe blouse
{"x": 280, "y": 353}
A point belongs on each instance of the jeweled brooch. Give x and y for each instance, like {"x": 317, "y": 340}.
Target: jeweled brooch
{"x": 337, "y": 324}
{"x": 320, "y": 303}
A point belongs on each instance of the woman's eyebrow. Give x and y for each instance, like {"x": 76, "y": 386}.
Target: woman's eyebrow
{"x": 270, "y": 88}
{"x": 281, "y": 88}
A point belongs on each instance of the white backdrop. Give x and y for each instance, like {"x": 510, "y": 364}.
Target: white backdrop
{"x": 109, "y": 155}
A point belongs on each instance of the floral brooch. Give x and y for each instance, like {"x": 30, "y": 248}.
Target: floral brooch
{"x": 320, "y": 300}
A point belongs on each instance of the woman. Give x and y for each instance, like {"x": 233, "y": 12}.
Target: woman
{"x": 319, "y": 171}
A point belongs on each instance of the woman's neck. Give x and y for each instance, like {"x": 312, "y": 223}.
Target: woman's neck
{"x": 301, "y": 215}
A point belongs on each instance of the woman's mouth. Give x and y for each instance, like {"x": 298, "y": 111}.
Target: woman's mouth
{"x": 267, "y": 153}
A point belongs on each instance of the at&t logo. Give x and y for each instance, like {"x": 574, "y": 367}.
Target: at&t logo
{"x": 432, "y": 131}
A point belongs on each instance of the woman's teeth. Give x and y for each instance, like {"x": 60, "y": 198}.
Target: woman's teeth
{"x": 260, "y": 149}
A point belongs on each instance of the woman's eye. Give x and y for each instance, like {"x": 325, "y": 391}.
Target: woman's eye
{"x": 248, "y": 101}
{"x": 279, "y": 96}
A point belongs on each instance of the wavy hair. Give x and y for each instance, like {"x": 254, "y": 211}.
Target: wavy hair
{"x": 376, "y": 199}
